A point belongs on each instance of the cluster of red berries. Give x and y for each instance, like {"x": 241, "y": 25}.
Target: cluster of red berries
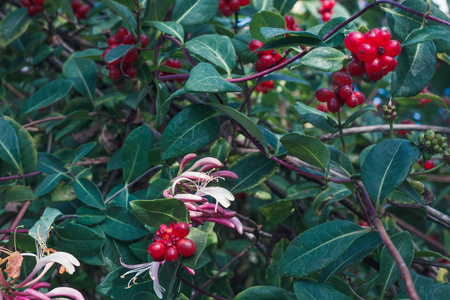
{"x": 123, "y": 37}
{"x": 265, "y": 86}
{"x": 344, "y": 93}
{"x": 290, "y": 23}
{"x": 267, "y": 58}
{"x": 373, "y": 53}
{"x": 34, "y": 6}
{"x": 80, "y": 10}
{"x": 170, "y": 242}
{"x": 326, "y": 10}
{"x": 228, "y": 7}
{"x": 172, "y": 63}
{"x": 429, "y": 164}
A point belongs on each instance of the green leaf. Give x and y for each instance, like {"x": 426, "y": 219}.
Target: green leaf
{"x": 128, "y": 3}
{"x": 82, "y": 150}
{"x": 340, "y": 160}
{"x": 78, "y": 240}
{"x": 41, "y": 228}
{"x": 115, "y": 251}
{"x": 416, "y": 67}
{"x": 428, "y": 292}
{"x": 51, "y": 93}
{"x": 122, "y": 225}
{"x": 88, "y": 193}
{"x": 220, "y": 149}
{"x": 9, "y": 147}
{"x": 156, "y": 188}
{"x": 199, "y": 238}
{"x": 95, "y": 54}
{"x": 245, "y": 122}
{"x": 411, "y": 192}
{"x": 134, "y": 153}
{"x": 429, "y": 33}
{"x": 262, "y": 4}
{"x": 359, "y": 249}
{"x": 163, "y": 101}
{"x": 315, "y": 117}
{"x": 194, "y": 12}
{"x": 133, "y": 100}
{"x": 83, "y": 73}
{"x": 49, "y": 164}
{"x": 265, "y": 292}
{"x": 19, "y": 193}
{"x": 13, "y": 26}
{"x": 317, "y": 247}
{"x": 216, "y": 49}
{"x": 172, "y": 28}
{"x": 273, "y": 276}
{"x": 63, "y": 192}
{"x": 124, "y": 13}
{"x": 410, "y": 100}
{"x": 387, "y": 165}
{"x": 252, "y": 169}
{"x": 90, "y": 216}
{"x": 48, "y": 184}
{"x": 402, "y": 23}
{"x": 429, "y": 253}
{"x": 269, "y": 33}
{"x": 325, "y": 59}
{"x": 284, "y": 6}
{"x": 359, "y": 113}
{"x": 307, "y": 149}
{"x": 161, "y": 211}
{"x": 157, "y": 10}
{"x": 278, "y": 211}
{"x": 117, "y": 53}
{"x": 389, "y": 271}
{"x": 307, "y": 289}
{"x": 204, "y": 78}
{"x": 265, "y": 19}
{"x": 328, "y": 197}
{"x": 195, "y": 127}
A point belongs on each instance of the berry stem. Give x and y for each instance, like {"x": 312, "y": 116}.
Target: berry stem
{"x": 428, "y": 171}
{"x": 340, "y": 132}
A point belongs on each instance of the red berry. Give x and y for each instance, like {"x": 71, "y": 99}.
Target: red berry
{"x": 104, "y": 54}
{"x": 114, "y": 73}
{"x": 157, "y": 250}
{"x": 122, "y": 32}
{"x": 334, "y": 105}
{"x": 324, "y": 95}
{"x": 181, "y": 230}
{"x": 109, "y": 66}
{"x": 428, "y": 165}
{"x": 375, "y": 77}
{"x": 345, "y": 79}
{"x": 112, "y": 41}
{"x": 129, "y": 39}
{"x": 76, "y": 4}
{"x": 290, "y": 21}
{"x": 353, "y": 40}
{"x": 322, "y": 107}
{"x": 186, "y": 247}
{"x": 384, "y": 37}
{"x": 221, "y": 4}
{"x": 360, "y": 96}
{"x": 244, "y": 2}
{"x": 393, "y": 48}
{"x": 328, "y": 4}
{"x": 171, "y": 254}
{"x": 130, "y": 71}
{"x": 356, "y": 69}
{"x": 84, "y": 10}
{"x": 255, "y": 44}
{"x": 374, "y": 67}
{"x": 34, "y": 10}
{"x": 326, "y": 17}
{"x": 226, "y": 11}
{"x": 38, "y": 2}
{"x": 144, "y": 40}
{"x": 266, "y": 61}
{"x": 352, "y": 101}
{"x": 26, "y": 3}
{"x": 345, "y": 91}
{"x": 234, "y": 5}
{"x": 371, "y": 38}
{"x": 176, "y": 64}
{"x": 389, "y": 63}
{"x": 366, "y": 52}
{"x": 259, "y": 67}
{"x": 130, "y": 57}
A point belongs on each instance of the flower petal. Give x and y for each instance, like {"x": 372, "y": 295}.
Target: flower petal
{"x": 211, "y": 161}
{"x": 222, "y": 195}
{"x": 67, "y": 292}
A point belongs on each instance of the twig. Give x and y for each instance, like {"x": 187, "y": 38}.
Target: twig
{"x": 18, "y": 218}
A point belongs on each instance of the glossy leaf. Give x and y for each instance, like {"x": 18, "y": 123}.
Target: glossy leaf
{"x": 199, "y": 238}
{"x": 194, "y": 12}
{"x": 270, "y": 33}
{"x": 117, "y": 53}
{"x": 48, "y": 184}
{"x": 172, "y": 28}
{"x": 410, "y": 100}
{"x": 63, "y": 192}
{"x": 432, "y": 291}
{"x": 82, "y": 150}
{"x": 252, "y": 169}
{"x": 244, "y": 121}
{"x": 77, "y": 239}
{"x": 134, "y": 99}
{"x": 128, "y": 3}
{"x": 163, "y": 101}
{"x": 115, "y": 251}
{"x": 317, "y": 118}
{"x": 220, "y": 149}
{"x": 317, "y": 247}
{"x": 325, "y": 59}
{"x": 389, "y": 271}
{"x": 358, "y": 250}
{"x": 204, "y": 78}
{"x": 195, "y": 127}
{"x": 278, "y": 211}
{"x": 13, "y": 26}
{"x": 161, "y": 211}
{"x": 51, "y": 93}
{"x": 134, "y": 153}
{"x": 416, "y": 67}
{"x": 340, "y": 160}
{"x": 273, "y": 276}
{"x": 88, "y": 193}
{"x": 157, "y": 10}
{"x": 216, "y": 49}
{"x": 387, "y": 165}
{"x": 122, "y": 225}
{"x": 284, "y": 6}
{"x": 426, "y": 34}
{"x": 307, "y": 289}
{"x": 359, "y": 113}
{"x": 329, "y": 196}
{"x": 9, "y": 147}
{"x": 41, "y": 228}
{"x": 83, "y": 73}
{"x": 124, "y": 13}
{"x": 265, "y": 19}
{"x": 307, "y": 149}
{"x": 49, "y": 163}
{"x": 265, "y": 292}
{"x": 90, "y": 216}
{"x": 19, "y": 193}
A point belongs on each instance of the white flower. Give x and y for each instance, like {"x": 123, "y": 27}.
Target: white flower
{"x": 153, "y": 269}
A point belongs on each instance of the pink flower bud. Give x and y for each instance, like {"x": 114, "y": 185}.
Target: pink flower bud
{"x": 185, "y": 160}
{"x": 40, "y": 285}
{"x": 224, "y": 173}
{"x": 209, "y": 161}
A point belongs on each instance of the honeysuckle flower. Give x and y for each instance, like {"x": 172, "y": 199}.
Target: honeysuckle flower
{"x": 153, "y": 270}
